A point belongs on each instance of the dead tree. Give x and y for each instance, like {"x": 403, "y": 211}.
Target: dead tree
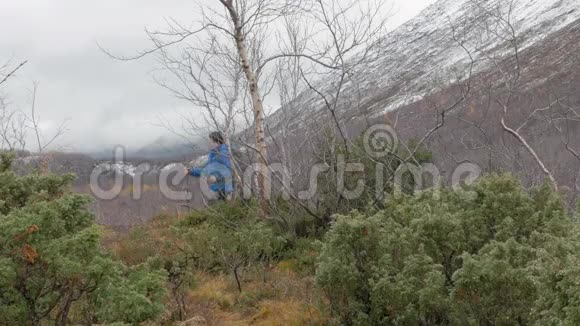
{"x": 498, "y": 21}
{"x": 43, "y": 142}
{"x": 15, "y": 124}
{"x": 12, "y": 122}
{"x": 349, "y": 38}
{"x": 13, "y": 128}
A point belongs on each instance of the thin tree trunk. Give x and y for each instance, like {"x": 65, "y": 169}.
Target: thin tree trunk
{"x": 257, "y": 106}
{"x": 62, "y": 317}
{"x": 530, "y": 150}
{"x": 236, "y": 180}
{"x": 237, "y": 279}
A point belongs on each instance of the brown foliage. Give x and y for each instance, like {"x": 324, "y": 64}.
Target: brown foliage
{"x": 29, "y": 253}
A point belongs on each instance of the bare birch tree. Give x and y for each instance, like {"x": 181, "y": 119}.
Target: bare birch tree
{"x": 248, "y": 25}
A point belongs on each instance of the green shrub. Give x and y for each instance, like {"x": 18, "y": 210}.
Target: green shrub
{"x": 494, "y": 255}
{"x": 51, "y": 258}
{"x": 332, "y": 201}
{"x": 304, "y": 255}
{"x": 229, "y": 237}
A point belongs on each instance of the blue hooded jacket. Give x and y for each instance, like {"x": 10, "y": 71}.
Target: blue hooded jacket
{"x": 219, "y": 166}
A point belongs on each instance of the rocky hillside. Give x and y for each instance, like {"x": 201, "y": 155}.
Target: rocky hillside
{"x": 426, "y": 65}
{"x": 425, "y": 51}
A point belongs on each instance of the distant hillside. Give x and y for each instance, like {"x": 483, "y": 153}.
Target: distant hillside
{"x": 60, "y": 163}
{"x": 123, "y": 211}
{"x": 162, "y": 149}
{"x": 167, "y": 148}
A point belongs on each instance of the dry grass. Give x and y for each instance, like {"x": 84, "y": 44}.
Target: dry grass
{"x": 284, "y": 299}
{"x": 214, "y": 291}
{"x": 152, "y": 239}
{"x": 278, "y": 295}
{"x": 287, "y": 312}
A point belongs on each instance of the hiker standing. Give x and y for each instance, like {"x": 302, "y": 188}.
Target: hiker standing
{"x": 217, "y": 168}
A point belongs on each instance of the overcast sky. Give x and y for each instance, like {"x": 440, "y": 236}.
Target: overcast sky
{"x": 107, "y": 102}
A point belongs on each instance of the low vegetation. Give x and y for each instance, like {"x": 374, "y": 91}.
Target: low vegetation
{"x": 52, "y": 265}
{"x": 493, "y": 253}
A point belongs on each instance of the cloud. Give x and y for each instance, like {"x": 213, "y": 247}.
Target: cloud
{"x": 107, "y": 102}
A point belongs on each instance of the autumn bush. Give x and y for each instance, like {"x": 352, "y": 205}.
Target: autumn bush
{"x": 52, "y": 266}
{"x": 492, "y": 254}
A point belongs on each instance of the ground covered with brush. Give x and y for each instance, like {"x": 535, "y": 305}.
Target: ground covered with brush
{"x": 229, "y": 268}
{"x": 492, "y": 253}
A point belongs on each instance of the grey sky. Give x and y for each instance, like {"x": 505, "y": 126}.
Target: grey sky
{"x": 107, "y": 102}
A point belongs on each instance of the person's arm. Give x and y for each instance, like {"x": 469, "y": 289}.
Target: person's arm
{"x": 203, "y": 163}
{"x": 197, "y": 171}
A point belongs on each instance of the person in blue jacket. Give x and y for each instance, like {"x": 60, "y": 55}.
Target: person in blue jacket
{"x": 218, "y": 167}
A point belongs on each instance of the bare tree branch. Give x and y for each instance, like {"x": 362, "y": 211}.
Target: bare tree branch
{"x": 12, "y": 72}
{"x": 41, "y": 142}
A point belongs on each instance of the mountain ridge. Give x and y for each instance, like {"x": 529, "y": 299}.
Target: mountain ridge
{"x": 425, "y": 69}
{"x": 429, "y": 30}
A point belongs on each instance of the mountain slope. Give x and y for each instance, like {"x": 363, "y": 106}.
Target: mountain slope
{"x": 423, "y": 51}
{"x": 423, "y": 62}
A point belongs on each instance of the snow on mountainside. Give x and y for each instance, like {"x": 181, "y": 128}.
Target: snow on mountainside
{"x": 421, "y": 55}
